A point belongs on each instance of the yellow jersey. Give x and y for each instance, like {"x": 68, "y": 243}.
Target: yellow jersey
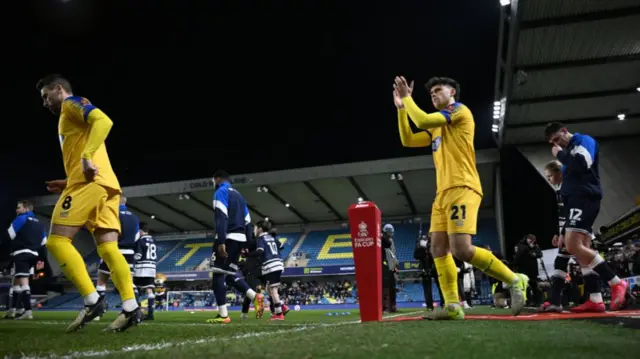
{"x": 73, "y": 132}
{"x": 454, "y": 154}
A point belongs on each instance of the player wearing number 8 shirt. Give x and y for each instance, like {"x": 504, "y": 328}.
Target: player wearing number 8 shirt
{"x": 90, "y": 198}
{"x": 144, "y": 268}
{"x": 581, "y": 193}
{"x": 450, "y": 132}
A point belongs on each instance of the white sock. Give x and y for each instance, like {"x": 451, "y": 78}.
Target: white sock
{"x": 91, "y": 299}
{"x": 101, "y": 288}
{"x": 222, "y": 310}
{"x": 615, "y": 280}
{"x": 595, "y": 297}
{"x": 129, "y": 305}
{"x": 243, "y": 315}
{"x": 251, "y": 294}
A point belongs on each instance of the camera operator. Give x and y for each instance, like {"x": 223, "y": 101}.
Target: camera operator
{"x": 428, "y": 274}
{"x": 526, "y": 262}
{"x": 389, "y": 270}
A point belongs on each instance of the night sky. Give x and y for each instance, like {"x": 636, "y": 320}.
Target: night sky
{"x": 196, "y": 86}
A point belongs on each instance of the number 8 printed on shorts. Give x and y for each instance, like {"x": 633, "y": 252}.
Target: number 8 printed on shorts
{"x": 66, "y": 203}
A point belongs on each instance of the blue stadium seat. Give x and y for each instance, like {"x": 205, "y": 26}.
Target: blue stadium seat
{"x": 186, "y": 256}
{"x": 325, "y": 248}
{"x": 291, "y": 241}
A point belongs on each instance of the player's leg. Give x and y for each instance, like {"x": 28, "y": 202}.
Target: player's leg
{"x": 25, "y": 298}
{"x": 101, "y": 285}
{"x": 592, "y": 289}
{"x": 445, "y": 265}
{"x": 71, "y": 213}
{"x": 581, "y": 213}
{"x": 246, "y": 302}
{"x": 237, "y": 281}
{"x": 591, "y": 260}
{"x": 558, "y": 279}
{"x": 274, "y": 285}
{"x": 103, "y": 278}
{"x": 146, "y": 284}
{"x": 106, "y": 226}
{"x": 462, "y": 206}
{"x": 13, "y": 296}
{"x": 24, "y": 268}
{"x": 107, "y": 243}
{"x": 219, "y": 289}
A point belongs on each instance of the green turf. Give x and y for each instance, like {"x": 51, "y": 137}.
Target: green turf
{"x": 312, "y": 334}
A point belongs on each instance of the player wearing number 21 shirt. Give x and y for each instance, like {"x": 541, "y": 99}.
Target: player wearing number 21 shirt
{"x": 454, "y": 215}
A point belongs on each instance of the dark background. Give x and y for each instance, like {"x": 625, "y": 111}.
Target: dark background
{"x": 197, "y": 86}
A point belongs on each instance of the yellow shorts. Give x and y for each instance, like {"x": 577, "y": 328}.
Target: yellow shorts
{"x": 90, "y": 205}
{"x": 455, "y": 211}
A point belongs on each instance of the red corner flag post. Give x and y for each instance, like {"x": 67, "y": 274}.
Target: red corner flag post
{"x": 365, "y": 222}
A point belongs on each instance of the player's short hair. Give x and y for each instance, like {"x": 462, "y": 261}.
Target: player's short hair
{"x": 265, "y": 225}
{"x": 552, "y": 128}
{"x": 26, "y": 204}
{"x": 554, "y": 166}
{"x": 53, "y": 80}
{"x": 221, "y": 174}
{"x": 444, "y": 81}
{"x": 144, "y": 226}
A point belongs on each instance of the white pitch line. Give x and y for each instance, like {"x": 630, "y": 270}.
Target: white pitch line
{"x": 164, "y": 345}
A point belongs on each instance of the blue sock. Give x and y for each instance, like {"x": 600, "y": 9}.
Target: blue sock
{"x": 151, "y": 304}
{"x": 219, "y": 289}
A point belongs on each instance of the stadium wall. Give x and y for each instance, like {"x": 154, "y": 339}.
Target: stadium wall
{"x": 619, "y": 172}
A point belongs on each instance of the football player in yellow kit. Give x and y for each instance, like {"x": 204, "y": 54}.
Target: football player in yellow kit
{"x": 454, "y": 215}
{"x": 90, "y": 197}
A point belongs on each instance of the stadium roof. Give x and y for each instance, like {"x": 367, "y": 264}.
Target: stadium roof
{"x": 313, "y": 195}
{"x": 574, "y": 61}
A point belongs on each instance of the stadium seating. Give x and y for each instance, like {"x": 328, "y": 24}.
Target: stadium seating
{"x": 333, "y": 247}
{"x": 326, "y": 248}
{"x": 188, "y": 254}
{"x": 291, "y": 241}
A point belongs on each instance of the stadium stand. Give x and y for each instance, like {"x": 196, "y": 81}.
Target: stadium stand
{"x": 333, "y": 247}
{"x": 291, "y": 239}
{"x": 186, "y": 255}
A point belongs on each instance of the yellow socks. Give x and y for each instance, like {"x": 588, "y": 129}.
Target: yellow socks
{"x": 119, "y": 268}
{"x": 492, "y": 266}
{"x": 448, "y": 278}
{"x": 71, "y": 263}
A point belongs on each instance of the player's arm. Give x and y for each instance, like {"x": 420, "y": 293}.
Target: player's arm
{"x": 16, "y": 226}
{"x": 407, "y": 137}
{"x": 423, "y": 120}
{"x": 99, "y": 126}
{"x": 137, "y": 230}
{"x": 248, "y": 227}
{"x": 220, "y": 206}
{"x": 139, "y": 249}
{"x": 259, "y": 249}
{"x": 582, "y": 155}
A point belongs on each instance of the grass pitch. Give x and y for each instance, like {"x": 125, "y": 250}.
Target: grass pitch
{"x": 313, "y": 334}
